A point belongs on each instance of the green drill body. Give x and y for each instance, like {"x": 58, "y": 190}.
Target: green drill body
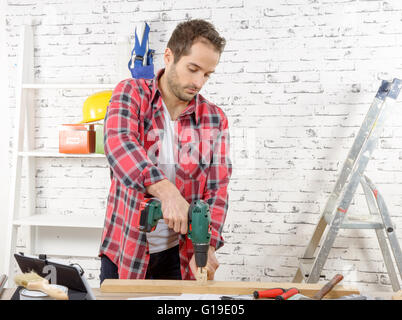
{"x": 199, "y": 222}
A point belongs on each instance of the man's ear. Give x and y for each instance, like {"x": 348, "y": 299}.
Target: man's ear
{"x": 168, "y": 57}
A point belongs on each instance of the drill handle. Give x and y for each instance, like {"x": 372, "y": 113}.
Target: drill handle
{"x": 150, "y": 214}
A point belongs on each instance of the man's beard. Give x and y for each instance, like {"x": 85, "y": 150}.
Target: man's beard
{"x": 174, "y": 86}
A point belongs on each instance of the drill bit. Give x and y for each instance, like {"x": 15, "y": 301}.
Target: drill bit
{"x": 202, "y": 275}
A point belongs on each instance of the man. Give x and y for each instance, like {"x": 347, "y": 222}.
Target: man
{"x": 165, "y": 140}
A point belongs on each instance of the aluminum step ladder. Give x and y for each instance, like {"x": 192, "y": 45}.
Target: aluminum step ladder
{"x": 335, "y": 213}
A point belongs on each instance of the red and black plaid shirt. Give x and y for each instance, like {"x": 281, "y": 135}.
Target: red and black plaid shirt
{"x": 134, "y": 126}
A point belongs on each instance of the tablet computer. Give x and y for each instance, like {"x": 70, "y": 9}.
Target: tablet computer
{"x": 70, "y": 276}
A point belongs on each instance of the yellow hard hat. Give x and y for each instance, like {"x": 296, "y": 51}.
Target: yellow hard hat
{"x": 95, "y": 106}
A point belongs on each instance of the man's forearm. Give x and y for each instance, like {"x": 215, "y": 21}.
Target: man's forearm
{"x": 162, "y": 189}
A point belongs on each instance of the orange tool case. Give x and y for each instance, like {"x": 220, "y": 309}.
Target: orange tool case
{"x": 77, "y": 138}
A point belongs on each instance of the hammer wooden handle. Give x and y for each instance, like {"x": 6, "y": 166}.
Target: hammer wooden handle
{"x": 328, "y": 287}
{"x": 44, "y": 286}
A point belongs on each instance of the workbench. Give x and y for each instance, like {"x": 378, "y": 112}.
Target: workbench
{"x": 7, "y": 294}
{"x": 113, "y": 289}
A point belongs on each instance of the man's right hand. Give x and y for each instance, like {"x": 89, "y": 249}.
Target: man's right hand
{"x": 174, "y": 206}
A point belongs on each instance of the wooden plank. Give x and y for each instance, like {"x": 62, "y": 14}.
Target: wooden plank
{"x": 397, "y": 296}
{"x": 216, "y": 287}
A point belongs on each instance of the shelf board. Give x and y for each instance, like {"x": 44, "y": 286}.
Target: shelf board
{"x": 48, "y": 220}
{"x": 56, "y": 154}
{"x": 104, "y": 86}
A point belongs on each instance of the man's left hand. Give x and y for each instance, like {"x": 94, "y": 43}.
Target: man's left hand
{"x": 212, "y": 264}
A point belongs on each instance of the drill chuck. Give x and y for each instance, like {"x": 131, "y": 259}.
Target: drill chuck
{"x": 201, "y": 254}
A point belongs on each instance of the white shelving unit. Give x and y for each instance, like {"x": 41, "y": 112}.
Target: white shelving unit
{"x": 56, "y": 154}
{"x": 49, "y": 220}
{"x": 84, "y": 233}
{"x": 99, "y": 86}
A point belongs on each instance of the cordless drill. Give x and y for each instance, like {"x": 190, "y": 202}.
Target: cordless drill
{"x": 199, "y": 225}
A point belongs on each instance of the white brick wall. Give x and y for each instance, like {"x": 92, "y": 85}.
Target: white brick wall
{"x": 296, "y": 80}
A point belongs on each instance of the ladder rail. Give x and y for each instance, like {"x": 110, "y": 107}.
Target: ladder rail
{"x": 353, "y": 155}
{"x": 18, "y": 144}
{"x": 23, "y": 120}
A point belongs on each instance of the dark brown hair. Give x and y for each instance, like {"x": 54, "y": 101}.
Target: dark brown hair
{"x": 188, "y": 32}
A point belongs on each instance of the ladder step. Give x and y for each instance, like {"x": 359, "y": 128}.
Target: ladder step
{"x": 354, "y": 222}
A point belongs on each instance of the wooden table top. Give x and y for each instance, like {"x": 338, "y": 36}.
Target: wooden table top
{"x": 8, "y": 293}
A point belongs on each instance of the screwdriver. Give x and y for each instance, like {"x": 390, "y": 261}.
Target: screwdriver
{"x": 286, "y": 295}
{"x": 276, "y": 293}
{"x": 270, "y": 293}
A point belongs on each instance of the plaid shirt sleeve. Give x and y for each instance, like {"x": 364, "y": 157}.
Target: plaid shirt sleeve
{"x": 127, "y": 157}
{"x": 215, "y": 193}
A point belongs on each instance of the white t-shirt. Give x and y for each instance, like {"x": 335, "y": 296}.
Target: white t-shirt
{"x": 163, "y": 238}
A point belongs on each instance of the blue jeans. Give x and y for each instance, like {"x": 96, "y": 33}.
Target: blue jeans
{"x": 162, "y": 265}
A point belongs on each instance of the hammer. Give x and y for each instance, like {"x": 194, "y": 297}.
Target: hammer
{"x": 322, "y": 292}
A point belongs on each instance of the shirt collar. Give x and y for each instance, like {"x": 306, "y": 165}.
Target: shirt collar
{"x": 192, "y": 108}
